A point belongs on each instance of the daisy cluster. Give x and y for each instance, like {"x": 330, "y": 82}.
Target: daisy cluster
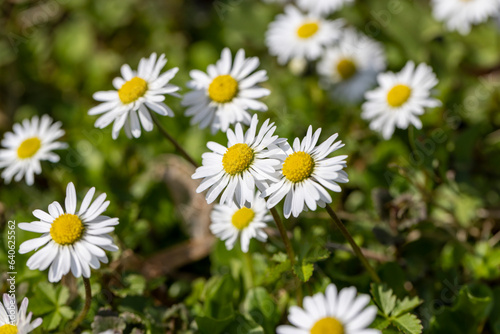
{"x": 350, "y": 64}
{"x": 257, "y": 169}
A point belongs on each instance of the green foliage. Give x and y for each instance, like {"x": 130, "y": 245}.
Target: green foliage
{"x": 395, "y": 312}
{"x": 52, "y": 304}
{"x": 467, "y": 315}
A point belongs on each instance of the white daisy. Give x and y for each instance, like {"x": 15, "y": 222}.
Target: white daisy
{"x": 342, "y": 312}
{"x": 250, "y": 159}
{"x": 137, "y": 93}
{"x": 224, "y": 94}
{"x": 297, "y": 35}
{"x": 229, "y": 222}
{"x": 400, "y": 98}
{"x": 322, "y": 7}
{"x": 460, "y": 15}
{"x": 14, "y": 320}
{"x": 306, "y": 172}
{"x": 352, "y": 65}
{"x": 31, "y": 142}
{"x": 72, "y": 240}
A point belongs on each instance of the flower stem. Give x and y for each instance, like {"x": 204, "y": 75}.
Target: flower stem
{"x": 174, "y": 142}
{"x": 86, "y": 307}
{"x": 251, "y": 271}
{"x": 284, "y": 235}
{"x": 354, "y": 246}
{"x": 412, "y": 139}
{"x": 289, "y": 250}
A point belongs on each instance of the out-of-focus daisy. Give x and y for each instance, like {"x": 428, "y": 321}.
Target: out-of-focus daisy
{"x": 73, "y": 240}
{"x": 400, "y": 98}
{"x": 31, "y": 142}
{"x": 137, "y": 93}
{"x": 322, "y": 7}
{"x": 297, "y": 35}
{"x": 224, "y": 94}
{"x": 352, "y": 65}
{"x": 229, "y": 222}
{"x": 14, "y": 320}
{"x": 250, "y": 159}
{"x": 461, "y": 15}
{"x": 306, "y": 172}
{"x": 334, "y": 312}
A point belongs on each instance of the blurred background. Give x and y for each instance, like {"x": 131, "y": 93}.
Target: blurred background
{"x": 430, "y": 215}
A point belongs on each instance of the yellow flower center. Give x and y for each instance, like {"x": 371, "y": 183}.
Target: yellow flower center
{"x": 308, "y": 30}
{"x": 223, "y": 89}
{"x": 28, "y": 148}
{"x": 298, "y": 166}
{"x": 132, "y": 90}
{"x": 242, "y": 218}
{"x": 398, "y": 95}
{"x": 237, "y": 159}
{"x": 327, "y": 325}
{"x": 66, "y": 229}
{"x": 346, "y": 68}
{"x": 8, "y": 329}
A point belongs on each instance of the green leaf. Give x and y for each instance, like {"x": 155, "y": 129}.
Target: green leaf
{"x": 48, "y": 291}
{"x": 274, "y": 273}
{"x": 66, "y": 312}
{"x": 218, "y": 297}
{"x": 261, "y": 307}
{"x": 317, "y": 254}
{"x": 52, "y": 320}
{"x": 63, "y": 296}
{"x": 209, "y": 325}
{"x": 244, "y": 325}
{"x": 495, "y": 321}
{"x": 406, "y": 305}
{"x": 304, "y": 271}
{"x": 383, "y": 297}
{"x": 280, "y": 257}
{"x": 472, "y": 307}
{"x": 409, "y": 324}
{"x": 380, "y": 323}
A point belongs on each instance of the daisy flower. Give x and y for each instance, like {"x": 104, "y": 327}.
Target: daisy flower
{"x": 400, "y": 98}
{"x": 137, "y": 93}
{"x": 352, "y": 65}
{"x": 229, "y": 222}
{"x": 460, "y": 15}
{"x": 31, "y": 142}
{"x": 14, "y": 320}
{"x": 306, "y": 172}
{"x": 322, "y": 7}
{"x": 73, "y": 241}
{"x": 297, "y": 35}
{"x": 341, "y": 312}
{"x": 250, "y": 159}
{"x": 224, "y": 94}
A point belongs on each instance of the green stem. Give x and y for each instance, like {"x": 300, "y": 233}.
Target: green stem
{"x": 354, "y": 246}
{"x": 86, "y": 307}
{"x": 289, "y": 250}
{"x": 250, "y": 268}
{"x": 174, "y": 142}
{"x": 284, "y": 236}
